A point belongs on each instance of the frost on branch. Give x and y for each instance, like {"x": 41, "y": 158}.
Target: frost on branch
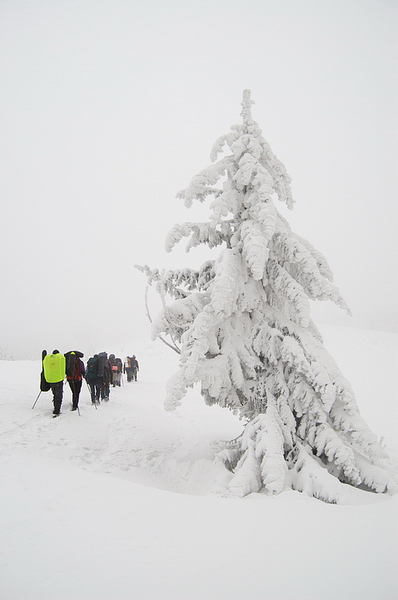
{"x": 243, "y": 322}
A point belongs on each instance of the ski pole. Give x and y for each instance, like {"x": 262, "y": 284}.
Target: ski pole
{"x": 36, "y": 400}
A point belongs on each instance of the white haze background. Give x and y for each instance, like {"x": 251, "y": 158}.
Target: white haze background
{"x": 108, "y": 108}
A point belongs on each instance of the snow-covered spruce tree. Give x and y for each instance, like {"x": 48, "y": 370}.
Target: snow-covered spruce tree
{"x": 243, "y": 324}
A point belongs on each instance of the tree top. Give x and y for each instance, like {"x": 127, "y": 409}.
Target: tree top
{"x": 246, "y": 108}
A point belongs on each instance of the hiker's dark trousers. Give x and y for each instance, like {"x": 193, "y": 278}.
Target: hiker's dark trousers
{"x": 95, "y": 389}
{"x": 75, "y": 385}
{"x": 57, "y": 390}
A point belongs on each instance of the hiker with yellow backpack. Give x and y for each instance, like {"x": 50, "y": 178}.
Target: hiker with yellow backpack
{"x": 54, "y": 371}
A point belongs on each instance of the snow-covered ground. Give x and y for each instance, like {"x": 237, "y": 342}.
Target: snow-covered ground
{"x": 119, "y": 503}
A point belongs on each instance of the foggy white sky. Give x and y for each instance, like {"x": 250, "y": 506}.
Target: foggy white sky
{"x": 109, "y": 107}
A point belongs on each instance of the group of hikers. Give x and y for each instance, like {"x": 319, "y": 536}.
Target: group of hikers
{"x": 100, "y": 373}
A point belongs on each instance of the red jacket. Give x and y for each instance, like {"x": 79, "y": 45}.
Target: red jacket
{"x": 79, "y": 372}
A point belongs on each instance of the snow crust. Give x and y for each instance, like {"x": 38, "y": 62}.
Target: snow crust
{"x": 121, "y": 502}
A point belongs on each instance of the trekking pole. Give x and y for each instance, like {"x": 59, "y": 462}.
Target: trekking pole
{"x": 36, "y": 400}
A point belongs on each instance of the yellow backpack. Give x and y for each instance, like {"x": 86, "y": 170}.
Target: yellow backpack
{"x": 54, "y": 367}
